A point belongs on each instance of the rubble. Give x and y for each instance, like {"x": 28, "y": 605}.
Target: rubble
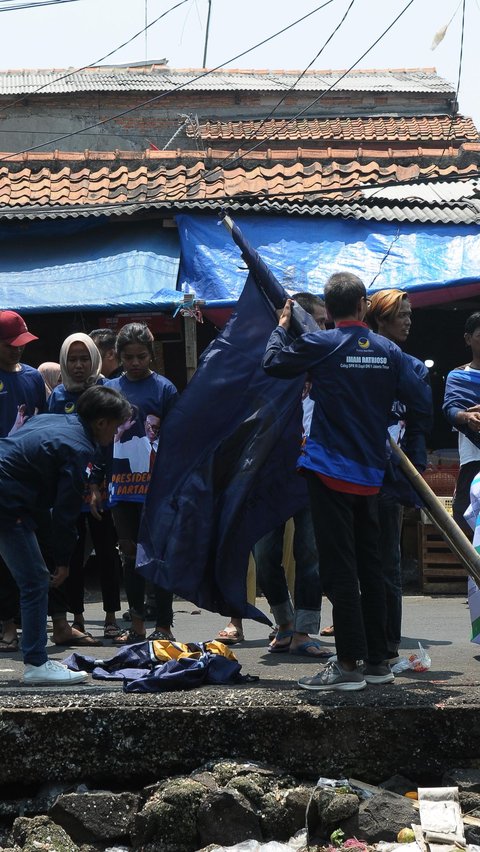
{"x": 225, "y": 804}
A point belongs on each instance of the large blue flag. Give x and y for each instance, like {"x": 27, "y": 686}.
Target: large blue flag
{"x": 225, "y": 469}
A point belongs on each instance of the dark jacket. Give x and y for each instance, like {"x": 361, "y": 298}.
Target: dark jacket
{"x": 45, "y": 465}
{"x": 356, "y": 376}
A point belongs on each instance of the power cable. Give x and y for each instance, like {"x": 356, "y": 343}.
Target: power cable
{"x": 316, "y": 100}
{"x": 301, "y": 75}
{"x": 35, "y": 4}
{"x": 97, "y": 61}
{"x": 177, "y": 88}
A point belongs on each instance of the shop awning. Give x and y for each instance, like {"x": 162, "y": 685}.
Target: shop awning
{"x": 434, "y": 263}
{"x": 55, "y": 267}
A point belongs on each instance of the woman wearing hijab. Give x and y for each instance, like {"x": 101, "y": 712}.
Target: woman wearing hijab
{"x": 80, "y": 365}
{"x": 51, "y": 375}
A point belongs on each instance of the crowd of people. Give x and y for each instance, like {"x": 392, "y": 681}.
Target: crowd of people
{"x": 79, "y": 439}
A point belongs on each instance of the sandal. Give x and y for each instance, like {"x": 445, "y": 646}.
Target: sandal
{"x": 111, "y": 631}
{"x": 161, "y": 635}
{"x": 273, "y": 633}
{"x": 281, "y": 649}
{"x": 129, "y": 637}
{"x": 307, "y": 649}
{"x": 328, "y": 631}
{"x": 230, "y": 636}
{"x": 85, "y": 641}
{"x": 9, "y": 647}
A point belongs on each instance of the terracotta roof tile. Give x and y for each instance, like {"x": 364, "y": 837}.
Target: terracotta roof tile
{"x": 68, "y": 189}
{"x": 428, "y": 128}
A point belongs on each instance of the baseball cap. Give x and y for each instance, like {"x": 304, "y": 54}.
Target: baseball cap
{"x": 13, "y": 329}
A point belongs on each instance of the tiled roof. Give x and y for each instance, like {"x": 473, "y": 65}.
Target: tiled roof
{"x": 66, "y": 185}
{"x": 388, "y": 129}
{"x": 159, "y": 78}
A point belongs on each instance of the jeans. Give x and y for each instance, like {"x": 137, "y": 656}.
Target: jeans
{"x": 19, "y": 548}
{"x": 390, "y": 516}
{"x": 347, "y": 531}
{"x": 271, "y": 576}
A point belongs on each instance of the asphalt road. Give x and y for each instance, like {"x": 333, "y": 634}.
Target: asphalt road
{"x": 440, "y": 624}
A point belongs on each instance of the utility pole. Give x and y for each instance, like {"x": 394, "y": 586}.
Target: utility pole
{"x": 206, "y": 34}
{"x": 146, "y": 31}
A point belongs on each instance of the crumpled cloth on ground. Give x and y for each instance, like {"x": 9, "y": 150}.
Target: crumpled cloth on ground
{"x": 161, "y": 666}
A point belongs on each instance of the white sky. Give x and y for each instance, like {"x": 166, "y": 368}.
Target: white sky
{"x": 79, "y": 33}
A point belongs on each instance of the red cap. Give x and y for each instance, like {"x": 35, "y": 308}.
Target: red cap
{"x": 13, "y": 329}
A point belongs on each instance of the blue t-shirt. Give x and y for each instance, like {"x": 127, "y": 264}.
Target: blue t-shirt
{"x": 63, "y": 401}
{"x": 24, "y": 387}
{"x": 134, "y": 452}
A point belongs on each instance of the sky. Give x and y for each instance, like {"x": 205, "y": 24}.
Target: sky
{"x": 81, "y": 32}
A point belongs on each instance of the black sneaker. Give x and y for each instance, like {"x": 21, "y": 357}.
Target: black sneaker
{"x": 381, "y": 673}
{"x": 334, "y": 677}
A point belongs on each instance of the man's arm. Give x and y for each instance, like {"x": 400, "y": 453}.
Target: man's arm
{"x": 419, "y": 418}
{"x": 286, "y": 358}
{"x": 461, "y": 404}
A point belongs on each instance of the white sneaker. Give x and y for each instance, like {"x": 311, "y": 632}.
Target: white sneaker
{"x": 53, "y": 672}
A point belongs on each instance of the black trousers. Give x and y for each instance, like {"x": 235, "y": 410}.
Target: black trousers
{"x": 104, "y": 540}
{"x": 347, "y": 534}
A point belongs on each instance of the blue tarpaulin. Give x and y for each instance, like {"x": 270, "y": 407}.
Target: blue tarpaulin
{"x": 114, "y": 267}
{"x": 434, "y": 263}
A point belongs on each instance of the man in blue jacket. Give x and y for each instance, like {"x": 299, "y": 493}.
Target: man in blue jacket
{"x": 356, "y": 375}
{"x": 45, "y": 464}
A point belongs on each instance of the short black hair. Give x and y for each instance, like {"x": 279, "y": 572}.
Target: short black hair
{"x": 135, "y": 332}
{"x": 308, "y": 301}
{"x": 343, "y": 291}
{"x": 103, "y": 338}
{"x": 100, "y": 401}
{"x": 472, "y": 323}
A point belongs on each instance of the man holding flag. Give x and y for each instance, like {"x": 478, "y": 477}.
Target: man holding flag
{"x": 356, "y": 375}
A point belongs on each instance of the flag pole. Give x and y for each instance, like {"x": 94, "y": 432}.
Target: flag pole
{"x": 437, "y": 513}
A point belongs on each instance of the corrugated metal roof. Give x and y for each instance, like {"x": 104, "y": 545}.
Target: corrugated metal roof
{"x": 466, "y": 213}
{"x": 155, "y": 78}
{"x": 423, "y": 129}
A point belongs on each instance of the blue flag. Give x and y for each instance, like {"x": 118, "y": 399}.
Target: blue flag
{"x": 225, "y": 473}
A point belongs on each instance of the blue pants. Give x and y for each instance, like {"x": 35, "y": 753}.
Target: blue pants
{"x": 21, "y": 553}
{"x": 271, "y": 576}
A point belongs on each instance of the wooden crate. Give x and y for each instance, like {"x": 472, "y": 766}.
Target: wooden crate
{"x": 442, "y": 572}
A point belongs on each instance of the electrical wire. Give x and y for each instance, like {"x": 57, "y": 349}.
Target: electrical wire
{"x": 177, "y": 88}
{"x": 97, "y": 61}
{"x": 35, "y": 4}
{"x": 301, "y": 75}
{"x": 316, "y": 100}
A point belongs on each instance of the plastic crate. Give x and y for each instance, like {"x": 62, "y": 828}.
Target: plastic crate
{"x": 447, "y": 504}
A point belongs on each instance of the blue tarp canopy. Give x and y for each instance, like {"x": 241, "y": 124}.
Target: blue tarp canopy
{"x": 434, "y": 263}
{"x": 68, "y": 267}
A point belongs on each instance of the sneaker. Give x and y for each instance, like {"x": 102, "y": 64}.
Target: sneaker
{"x": 378, "y": 674}
{"x": 334, "y": 677}
{"x": 53, "y": 672}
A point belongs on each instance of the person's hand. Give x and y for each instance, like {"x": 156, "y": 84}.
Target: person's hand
{"x": 124, "y": 427}
{"x": 470, "y": 418}
{"x": 96, "y": 502}
{"x": 20, "y": 418}
{"x": 59, "y": 575}
{"x": 286, "y": 315}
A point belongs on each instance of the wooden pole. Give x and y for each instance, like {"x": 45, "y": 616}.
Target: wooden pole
{"x": 190, "y": 326}
{"x": 436, "y": 511}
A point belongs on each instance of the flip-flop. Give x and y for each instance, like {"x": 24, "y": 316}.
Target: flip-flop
{"x": 111, "y": 631}
{"x": 129, "y": 637}
{"x": 86, "y": 641}
{"x": 328, "y": 631}
{"x": 230, "y": 636}
{"x": 302, "y": 650}
{"x": 281, "y": 649}
{"x": 9, "y": 647}
{"x": 161, "y": 636}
